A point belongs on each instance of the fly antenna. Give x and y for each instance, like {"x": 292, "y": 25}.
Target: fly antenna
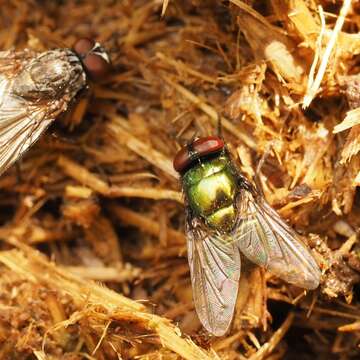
{"x": 190, "y": 142}
{"x": 195, "y": 135}
{"x": 180, "y": 139}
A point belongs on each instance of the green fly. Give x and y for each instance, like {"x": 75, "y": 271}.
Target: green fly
{"x": 227, "y": 215}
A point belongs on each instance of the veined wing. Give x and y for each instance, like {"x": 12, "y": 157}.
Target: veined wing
{"x": 215, "y": 271}
{"x": 265, "y": 239}
{"x": 12, "y": 62}
{"x": 21, "y": 123}
{"x": 34, "y": 89}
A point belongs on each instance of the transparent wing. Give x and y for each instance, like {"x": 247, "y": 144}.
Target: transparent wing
{"x": 12, "y": 62}
{"x": 215, "y": 271}
{"x": 21, "y": 123}
{"x": 265, "y": 239}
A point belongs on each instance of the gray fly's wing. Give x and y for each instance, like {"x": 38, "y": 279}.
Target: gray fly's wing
{"x": 11, "y": 61}
{"x": 214, "y": 263}
{"x": 265, "y": 239}
{"x": 20, "y": 123}
{"x": 22, "y": 120}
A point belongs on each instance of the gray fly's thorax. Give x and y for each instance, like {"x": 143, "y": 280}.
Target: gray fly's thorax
{"x": 50, "y": 76}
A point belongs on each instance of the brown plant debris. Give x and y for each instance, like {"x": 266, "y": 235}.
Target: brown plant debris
{"x": 93, "y": 251}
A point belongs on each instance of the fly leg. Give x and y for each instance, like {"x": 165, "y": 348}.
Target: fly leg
{"x": 104, "y": 174}
{"x": 57, "y": 136}
{"x": 18, "y": 171}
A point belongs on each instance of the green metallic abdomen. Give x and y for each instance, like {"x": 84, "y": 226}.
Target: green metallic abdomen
{"x": 210, "y": 188}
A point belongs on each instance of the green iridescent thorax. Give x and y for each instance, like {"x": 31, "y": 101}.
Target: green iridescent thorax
{"x": 210, "y": 187}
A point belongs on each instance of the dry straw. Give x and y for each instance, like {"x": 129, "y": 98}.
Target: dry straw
{"x": 93, "y": 252}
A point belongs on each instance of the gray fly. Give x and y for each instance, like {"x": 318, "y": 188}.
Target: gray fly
{"x": 36, "y": 87}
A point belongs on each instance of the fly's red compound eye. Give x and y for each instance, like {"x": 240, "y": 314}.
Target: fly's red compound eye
{"x": 207, "y": 145}
{"x": 182, "y": 160}
{"x": 96, "y": 65}
{"x": 94, "y": 58}
{"x": 200, "y": 147}
{"x": 83, "y": 46}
